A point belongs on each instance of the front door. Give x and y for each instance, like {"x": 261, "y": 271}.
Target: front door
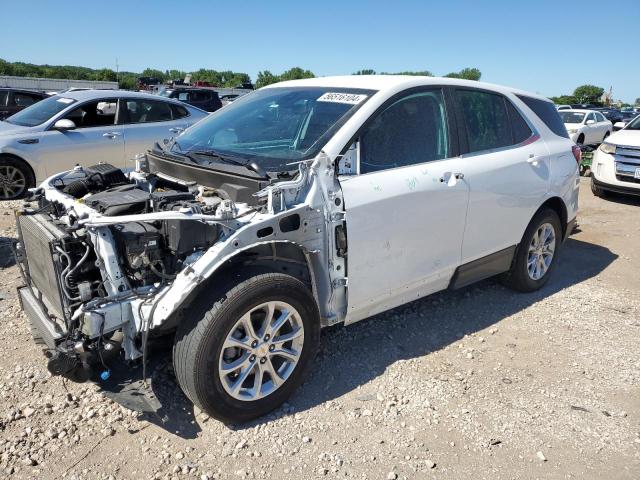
{"x": 406, "y": 208}
{"x": 95, "y": 139}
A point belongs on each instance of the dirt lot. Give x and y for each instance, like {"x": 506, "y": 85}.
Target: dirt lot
{"x": 479, "y": 383}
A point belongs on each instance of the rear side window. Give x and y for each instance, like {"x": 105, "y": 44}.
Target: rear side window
{"x": 486, "y": 120}
{"x": 547, "y": 112}
{"x": 519, "y": 127}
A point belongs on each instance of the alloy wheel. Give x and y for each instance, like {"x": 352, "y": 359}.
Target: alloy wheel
{"x": 541, "y": 251}
{"x": 261, "y": 351}
{"x": 12, "y": 182}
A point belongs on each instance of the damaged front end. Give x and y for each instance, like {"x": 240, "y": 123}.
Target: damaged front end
{"x": 111, "y": 259}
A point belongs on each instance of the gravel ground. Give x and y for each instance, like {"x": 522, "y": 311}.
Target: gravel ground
{"x": 478, "y": 383}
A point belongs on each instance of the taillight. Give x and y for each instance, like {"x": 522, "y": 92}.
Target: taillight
{"x": 577, "y": 153}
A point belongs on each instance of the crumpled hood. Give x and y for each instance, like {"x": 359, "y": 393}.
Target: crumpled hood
{"x": 625, "y": 137}
{"x": 10, "y": 129}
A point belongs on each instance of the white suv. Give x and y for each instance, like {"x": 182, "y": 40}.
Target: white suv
{"x": 616, "y": 164}
{"x": 304, "y": 204}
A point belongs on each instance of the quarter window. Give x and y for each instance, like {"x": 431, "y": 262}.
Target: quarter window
{"x": 411, "y": 130}
{"x": 546, "y": 111}
{"x": 179, "y": 111}
{"x": 486, "y": 120}
{"x": 147, "y": 111}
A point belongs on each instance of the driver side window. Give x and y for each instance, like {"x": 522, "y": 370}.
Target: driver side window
{"x": 410, "y": 131}
{"x": 100, "y": 113}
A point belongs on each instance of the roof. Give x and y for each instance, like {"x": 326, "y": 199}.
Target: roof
{"x": 395, "y": 82}
{"x": 579, "y": 110}
{"x": 82, "y": 95}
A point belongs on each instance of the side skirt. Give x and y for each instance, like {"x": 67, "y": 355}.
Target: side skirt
{"x": 482, "y": 268}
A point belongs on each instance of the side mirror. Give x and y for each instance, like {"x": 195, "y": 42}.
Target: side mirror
{"x": 590, "y": 122}
{"x": 619, "y": 125}
{"x": 64, "y": 125}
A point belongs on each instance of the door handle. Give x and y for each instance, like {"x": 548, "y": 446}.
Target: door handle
{"x": 451, "y": 179}
{"x": 533, "y": 160}
{"x": 111, "y": 134}
{"x": 176, "y": 130}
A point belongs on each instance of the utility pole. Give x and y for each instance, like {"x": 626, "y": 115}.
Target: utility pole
{"x": 117, "y": 72}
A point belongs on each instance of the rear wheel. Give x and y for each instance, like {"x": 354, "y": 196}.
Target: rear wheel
{"x": 15, "y": 178}
{"x": 580, "y": 140}
{"x": 605, "y": 136}
{"x": 537, "y": 253}
{"x": 241, "y": 355}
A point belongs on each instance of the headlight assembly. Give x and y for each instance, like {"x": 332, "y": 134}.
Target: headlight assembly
{"x": 607, "y": 148}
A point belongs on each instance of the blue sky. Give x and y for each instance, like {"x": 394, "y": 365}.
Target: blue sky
{"x": 549, "y": 47}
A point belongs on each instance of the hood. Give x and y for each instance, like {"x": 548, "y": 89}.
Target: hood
{"x": 7, "y": 128}
{"x": 625, "y": 137}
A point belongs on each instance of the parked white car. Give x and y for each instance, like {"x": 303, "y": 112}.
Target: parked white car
{"x": 616, "y": 163}
{"x": 586, "y": 127}
{"x": 84, "y": 127}
{"x": 302, "y": 205}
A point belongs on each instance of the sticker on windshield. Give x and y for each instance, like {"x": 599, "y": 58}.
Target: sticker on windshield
{"x": 337, "y": 97}
{"x": 66, "y": 100}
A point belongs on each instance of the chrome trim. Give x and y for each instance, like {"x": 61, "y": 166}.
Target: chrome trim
{"x": 628, "y": 151}
{"x": 626, "y": 169}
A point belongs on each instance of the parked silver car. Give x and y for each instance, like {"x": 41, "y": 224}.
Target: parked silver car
{"x": 85, "y": 128}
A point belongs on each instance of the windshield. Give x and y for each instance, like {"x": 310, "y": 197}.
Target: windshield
{"x": 634, "y": 124}
{"x": 571, "y": 117}
{"x": 274, "y": 126}
{"x": 40, "y": 112}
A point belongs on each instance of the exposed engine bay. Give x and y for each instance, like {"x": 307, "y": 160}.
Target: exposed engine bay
{"x": 110, "y": 258}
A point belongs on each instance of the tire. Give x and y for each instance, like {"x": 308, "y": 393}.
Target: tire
{"x": 15, "y": 178}
{"x": 202, "y": 354}
{"x": 605, "y": 136}
{"x": 596, "y": 190}
{"x": 520, "y": 277}
{"x": 580, "y": 140}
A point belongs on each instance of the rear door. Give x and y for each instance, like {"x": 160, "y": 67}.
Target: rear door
{"x": 147, "y": 121}
{"x": 507, "y": 170}
{"x": 406, "y": 207}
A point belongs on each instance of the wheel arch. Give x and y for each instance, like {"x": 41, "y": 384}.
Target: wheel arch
{"x": 21, "y": 160}
{"x": 557, "y": 205}
{"x": 275, "y": 256}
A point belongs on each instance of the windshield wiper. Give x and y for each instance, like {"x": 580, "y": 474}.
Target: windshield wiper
{"x": 248, "y": 164}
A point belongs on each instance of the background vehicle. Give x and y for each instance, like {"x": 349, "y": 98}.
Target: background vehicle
{"x": 84, "y": 127}
{"x": 612, "y": 114}
{"x": 627, "y": 116}
{"x": 234, "y": 235}
{"x": 13, "y": 100}
{"x": 563, "y": 107}
{"x": 616, "y": 163}
{"x": 586, "y": 127}
{"x": 205, "y": 98}
{"x": 146, "y": 83}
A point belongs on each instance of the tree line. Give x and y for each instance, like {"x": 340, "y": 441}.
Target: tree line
{"x": 226, "y": 78}
{"x": 588, "y": 94}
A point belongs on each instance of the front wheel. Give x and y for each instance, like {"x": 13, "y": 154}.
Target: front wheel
{"x": 596, "y": 190}
{"x": 241, "y": 355}
{"x": 537, "y": 253}
{"x": 15, "y": 178}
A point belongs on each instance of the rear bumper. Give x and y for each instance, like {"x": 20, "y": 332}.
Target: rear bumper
{"x": 42, "y": 327}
